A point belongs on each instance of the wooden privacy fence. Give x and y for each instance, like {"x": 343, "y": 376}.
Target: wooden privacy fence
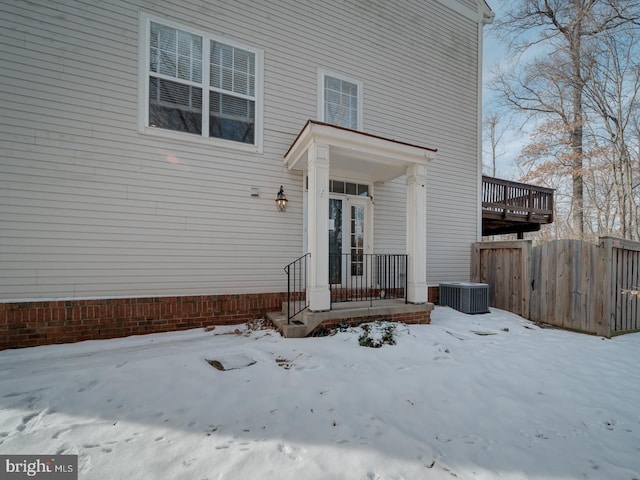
{"x": 571, "y": 284}
{"x": 505, "y": 267}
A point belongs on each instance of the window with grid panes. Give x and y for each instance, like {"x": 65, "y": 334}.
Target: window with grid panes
{"x": 342, "y": 100}
{"x": 200, "y": 85}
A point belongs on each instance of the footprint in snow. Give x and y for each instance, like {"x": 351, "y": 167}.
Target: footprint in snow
{"x": 88, "y": 386}
{"x": 17, "y": 394}
{"x": 32, "y": 419}
{"x": 59, "y": 432}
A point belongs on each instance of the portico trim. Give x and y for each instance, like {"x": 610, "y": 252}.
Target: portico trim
{"x": 321, "y": 150}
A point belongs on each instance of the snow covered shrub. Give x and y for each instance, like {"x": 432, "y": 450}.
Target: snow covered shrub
{"x": 378, "y": 334}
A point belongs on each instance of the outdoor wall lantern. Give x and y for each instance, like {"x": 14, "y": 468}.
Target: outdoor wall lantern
{"x": 281, "y": 200}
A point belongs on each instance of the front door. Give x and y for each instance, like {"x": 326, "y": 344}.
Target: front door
{"x": 348, "y": 237}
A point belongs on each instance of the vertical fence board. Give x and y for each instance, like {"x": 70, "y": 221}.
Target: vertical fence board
{"x": 632, "y": 311}
{"x": 555, "y": 270}
{"x": 625, "y": 285}
{"x": 574, "y": 274}
{"x": 618, "y": 285}
{"x": 591, "y": 301}
{"x": 534, "y": 286}
{"x": 582, "y": 251}
{"x": 525, "y": 281}
{"x": 617, "y": 282}
{"x": 608, "y": 304}
{"x": 541, "y": 285}
{"x": 635, "y": 324}
{"x": 560, "y": 296}
{"x": 545, "y": 281}
{"x": 631, "y": 281}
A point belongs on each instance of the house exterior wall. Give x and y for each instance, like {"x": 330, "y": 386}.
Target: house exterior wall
{"x": 90, "y": 207}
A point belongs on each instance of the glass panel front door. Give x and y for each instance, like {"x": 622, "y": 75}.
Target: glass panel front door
{"x": 335, "y": 240}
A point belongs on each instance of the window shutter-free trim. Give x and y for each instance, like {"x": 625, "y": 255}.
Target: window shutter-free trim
{"x": 339, "y": 100}
{"x": 199, "y": 84}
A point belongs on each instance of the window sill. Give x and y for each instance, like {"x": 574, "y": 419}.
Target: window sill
{"x": 196, "y": 139}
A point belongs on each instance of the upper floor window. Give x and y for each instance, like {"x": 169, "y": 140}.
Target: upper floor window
{"x": 340, "y": 100}
{"x": 198, "y": 84}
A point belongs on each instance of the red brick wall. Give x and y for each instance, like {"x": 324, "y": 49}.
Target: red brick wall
{"x": 26, "y": 324}
{"x": 409, "y": 318}
{"x": 433, "y": 294}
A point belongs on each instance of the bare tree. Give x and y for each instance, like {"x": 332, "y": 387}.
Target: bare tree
{"x": 493, "y": 131}
{"x": 613, "y": 97}
{"x": 552, "y": 86}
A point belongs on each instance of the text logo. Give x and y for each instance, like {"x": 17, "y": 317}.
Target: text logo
{"x": 49, "y": 467}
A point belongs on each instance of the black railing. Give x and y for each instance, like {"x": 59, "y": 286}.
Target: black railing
{"x": 367, "y": 277}
{"x": 297, "y": 286}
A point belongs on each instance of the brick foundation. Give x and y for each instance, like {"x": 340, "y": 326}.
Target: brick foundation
{"x": 433, "y": 294}
{"x": 26, "y": 324}
{"x": 413, "y": 318}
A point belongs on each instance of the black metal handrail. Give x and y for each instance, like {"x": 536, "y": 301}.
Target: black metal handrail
{"x": 367, "y": 277}
{"x": 297, "y": 286}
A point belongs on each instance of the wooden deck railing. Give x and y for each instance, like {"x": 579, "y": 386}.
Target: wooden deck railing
{"x": 504, "y": 199}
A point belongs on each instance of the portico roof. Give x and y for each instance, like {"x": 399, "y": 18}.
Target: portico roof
{"x": 356, "y": 154}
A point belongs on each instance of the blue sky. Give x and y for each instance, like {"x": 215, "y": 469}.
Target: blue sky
{"x": 495, "y": 51}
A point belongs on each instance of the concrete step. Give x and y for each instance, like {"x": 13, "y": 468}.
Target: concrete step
{"x": 294, "y": 329}
{"x": 352, "y": 312}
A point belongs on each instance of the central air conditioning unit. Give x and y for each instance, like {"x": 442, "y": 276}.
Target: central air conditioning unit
{"x": 465, "y": 297}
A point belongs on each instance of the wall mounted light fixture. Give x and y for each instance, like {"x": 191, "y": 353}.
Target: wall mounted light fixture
{"x": 281, "y": 200}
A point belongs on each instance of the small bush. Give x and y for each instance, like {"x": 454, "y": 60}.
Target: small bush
{"x": 381, "y": 334}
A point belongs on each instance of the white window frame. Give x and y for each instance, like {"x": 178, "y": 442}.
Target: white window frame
{"x": 322, "y": 73}
{"x": 143, "y": 88}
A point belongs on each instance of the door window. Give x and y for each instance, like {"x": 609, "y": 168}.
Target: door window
{"x": 335, "y": 240}
{"x": 357, "y": 240}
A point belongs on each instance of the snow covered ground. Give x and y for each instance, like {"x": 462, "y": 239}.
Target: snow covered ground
{"x": 468, "y": 397}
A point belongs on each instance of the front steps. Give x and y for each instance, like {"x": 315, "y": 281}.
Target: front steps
{"x": 350, "y": 313}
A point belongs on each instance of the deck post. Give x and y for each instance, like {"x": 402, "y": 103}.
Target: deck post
{"x": 417, "y": 233}
{"x": 318, "y": 228}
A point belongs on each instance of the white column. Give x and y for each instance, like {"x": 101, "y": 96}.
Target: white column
{"x": 417, "y": 233}
{"x": 318, "y": 228}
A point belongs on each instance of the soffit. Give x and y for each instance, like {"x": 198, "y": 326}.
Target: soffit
{"x": 356, "y": 154}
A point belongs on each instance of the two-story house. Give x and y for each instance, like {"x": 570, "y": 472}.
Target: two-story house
{"x": 144, "y": 143}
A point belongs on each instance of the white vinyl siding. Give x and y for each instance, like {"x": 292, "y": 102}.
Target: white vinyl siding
{"x": 91, "y": 207}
